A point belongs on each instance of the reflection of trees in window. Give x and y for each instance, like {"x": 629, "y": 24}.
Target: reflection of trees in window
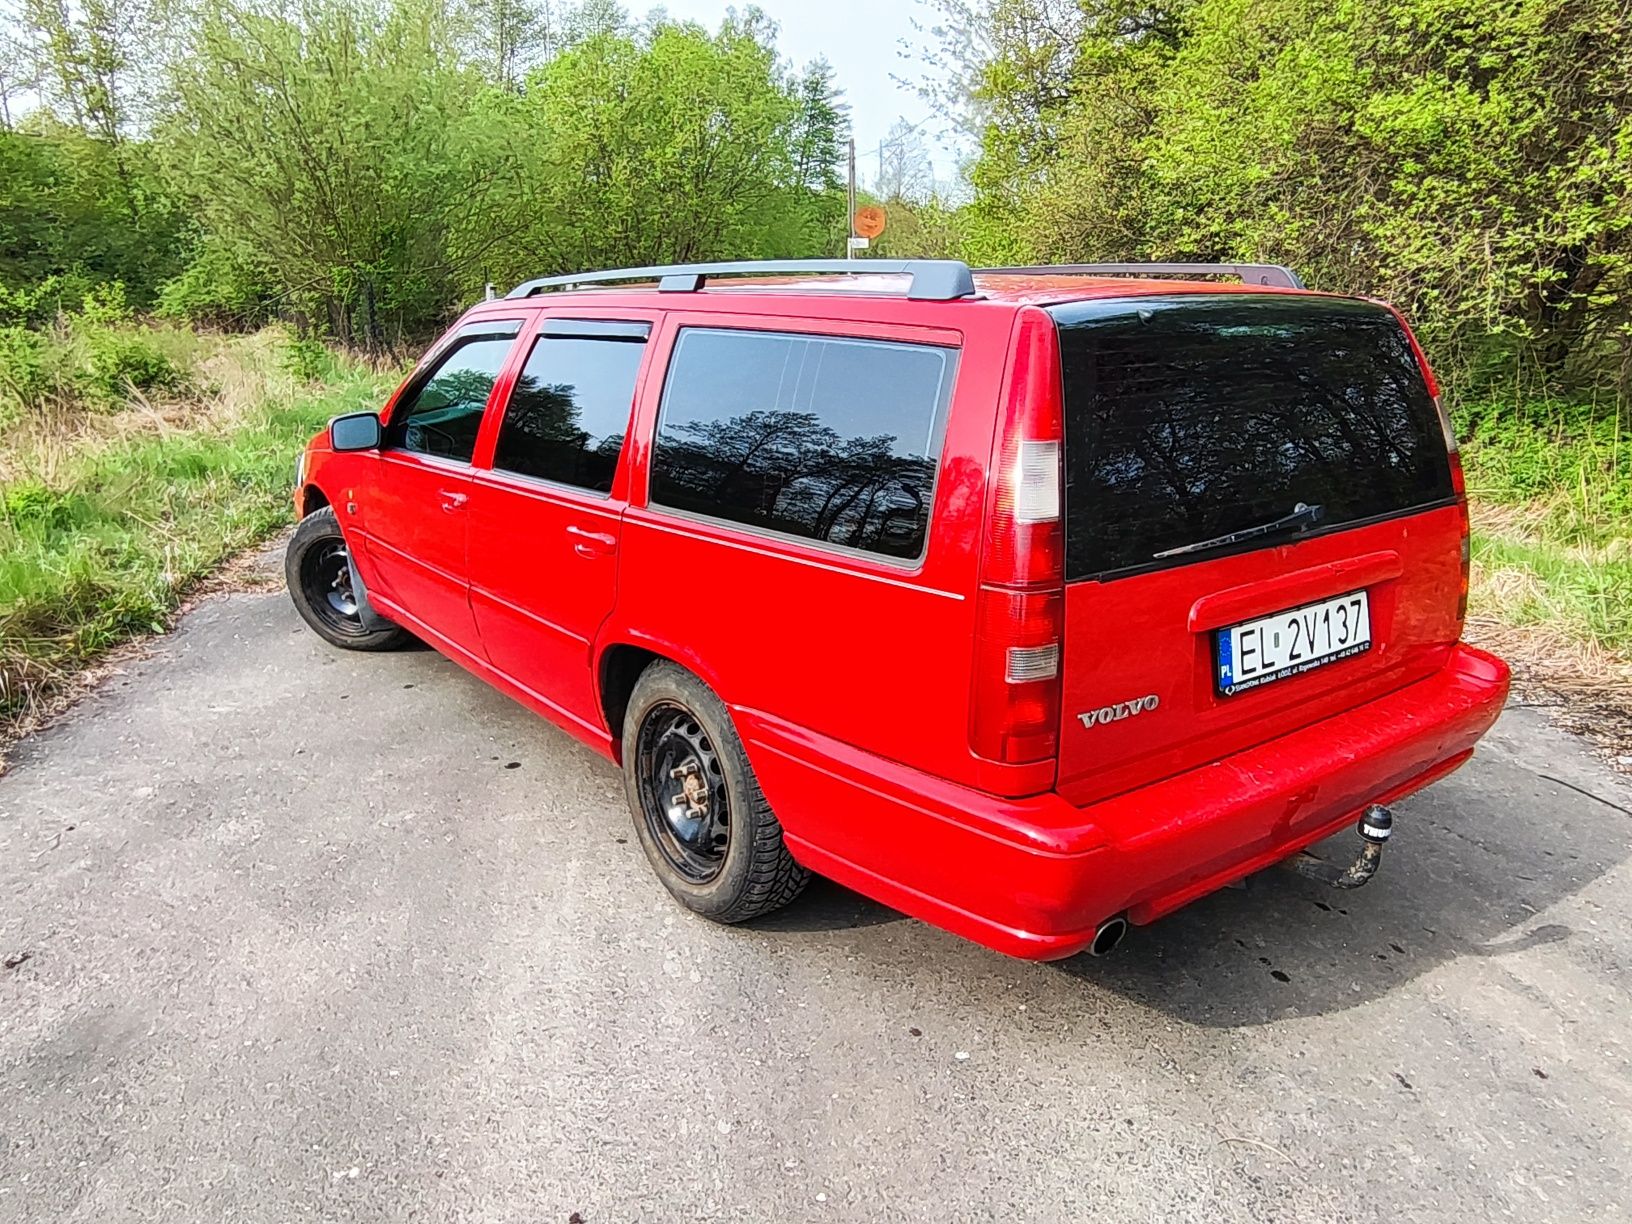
{"x": 446, "y": 413}
{"x": 1190, "y": 422}
{"x": 788, "y": 471}
{"x": 542, "y": 436}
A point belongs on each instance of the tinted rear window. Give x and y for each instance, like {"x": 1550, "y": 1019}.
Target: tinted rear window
{"x": 826, "y": 438}
{"x": 1188, "y": 418}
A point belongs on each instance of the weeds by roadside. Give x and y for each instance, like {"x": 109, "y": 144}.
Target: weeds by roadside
{"x": 1551, "y": 486}
{"x": 107, "y": 518}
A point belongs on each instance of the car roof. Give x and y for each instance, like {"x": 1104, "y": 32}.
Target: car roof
{"x": 1012, "y": 289}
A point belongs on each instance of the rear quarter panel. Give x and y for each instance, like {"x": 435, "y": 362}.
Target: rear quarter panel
{"x": 845, "y": 644}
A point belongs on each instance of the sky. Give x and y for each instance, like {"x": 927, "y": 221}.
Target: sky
{"x": 862, "y": 40}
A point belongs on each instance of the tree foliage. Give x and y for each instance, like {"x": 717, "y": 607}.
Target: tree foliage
{"x": 367, "y": 166}
{"x": 1468, "y": 159}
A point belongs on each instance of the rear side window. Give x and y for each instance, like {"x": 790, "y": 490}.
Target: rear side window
{"x": 569, "y": 410}
{"x": 1190, "y": 418}
{"x": 829, "y": 439}
{"x": 443, "y": 413}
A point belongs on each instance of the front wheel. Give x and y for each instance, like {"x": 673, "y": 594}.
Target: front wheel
{"x": 698, "y": 811}
{"x": 317, "y": 568}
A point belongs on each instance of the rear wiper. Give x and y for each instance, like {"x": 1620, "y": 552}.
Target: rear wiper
{"x": 1302, "y": 515}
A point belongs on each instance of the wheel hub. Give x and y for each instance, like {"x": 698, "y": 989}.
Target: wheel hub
{"x": 683, "y": 795}
{"x": 328, "y": 585}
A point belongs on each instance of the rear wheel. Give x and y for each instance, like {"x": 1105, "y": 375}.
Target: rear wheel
{"x": 317, "y": 568}
{"x": 698, "y": 811}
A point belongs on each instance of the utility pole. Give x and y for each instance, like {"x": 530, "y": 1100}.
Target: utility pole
{"x": 850, "y": 217}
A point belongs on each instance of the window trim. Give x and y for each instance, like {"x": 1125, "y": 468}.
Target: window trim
{"x": 820, "y": 330}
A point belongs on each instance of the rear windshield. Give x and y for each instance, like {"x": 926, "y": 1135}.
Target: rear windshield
{"x": 1189, "y": 418}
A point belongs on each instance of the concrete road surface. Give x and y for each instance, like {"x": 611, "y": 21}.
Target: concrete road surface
{"x": 293, "y": 935}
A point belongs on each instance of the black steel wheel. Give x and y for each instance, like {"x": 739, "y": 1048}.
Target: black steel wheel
{"x": 318, "y": 570}
{"x": 698, "y": 810}
{"x": 682, "y": 792}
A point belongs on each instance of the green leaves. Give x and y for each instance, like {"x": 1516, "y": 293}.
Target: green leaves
{"x": 1470, "y": 160}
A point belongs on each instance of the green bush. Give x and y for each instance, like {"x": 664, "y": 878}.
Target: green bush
{"x": 308, "y": 360}
{"x": 38, "y": 506}
{"x": 119, "y": 361}
{"x": 25, "y": 368}
{"x": 218, "y": 289}
{"x": 37, "y": 305}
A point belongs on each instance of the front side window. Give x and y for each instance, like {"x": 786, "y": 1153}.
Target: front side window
{"x": 821, "y": 437}
{"x": 569, "y": 411}
{"x": 442, "y": 415}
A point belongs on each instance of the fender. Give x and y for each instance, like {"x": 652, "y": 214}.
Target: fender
{"x": 371, "y": 619}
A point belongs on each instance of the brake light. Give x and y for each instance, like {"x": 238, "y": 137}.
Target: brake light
{"x": 1453, "y": 453}
{"x": 1020, "y": 608}
{"x": 1452, "y": 450}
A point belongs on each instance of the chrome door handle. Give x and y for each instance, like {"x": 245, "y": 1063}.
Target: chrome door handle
{"x": 451, "y": 501}
{"x": 591, "y": 543}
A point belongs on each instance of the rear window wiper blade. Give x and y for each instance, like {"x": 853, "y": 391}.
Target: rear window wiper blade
{"x": 1303, "y": 515}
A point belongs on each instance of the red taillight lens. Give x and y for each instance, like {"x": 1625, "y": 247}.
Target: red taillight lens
{"x": 1019, "y": 613}
{"x": 1016, "y": 712}
{"x": 1467, "y": 568}
{"x": 1452, "y": 450}
{"x": 1025, "y": 537}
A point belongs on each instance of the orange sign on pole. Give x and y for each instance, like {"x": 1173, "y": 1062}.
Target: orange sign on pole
{"x": 869, "y": 221}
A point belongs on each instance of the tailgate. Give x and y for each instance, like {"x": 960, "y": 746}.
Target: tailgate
{"x": 1261, "y": 527}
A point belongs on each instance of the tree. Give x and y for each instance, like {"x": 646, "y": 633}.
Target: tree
{"x": 904, "y": 170}
{"x": 1471, "y": 161}
{"x": 19, "y": 64}
{"x": 332, "y": 149}
{"x": 510, "y": 37}
{"x": 91, "y": 54}
{"x": 665, "y": 144}
{"x": 820, "y": 130}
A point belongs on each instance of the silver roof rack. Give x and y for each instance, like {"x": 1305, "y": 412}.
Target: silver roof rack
{"x": 1251, "y": 274}
{"x": 931, "y": 280}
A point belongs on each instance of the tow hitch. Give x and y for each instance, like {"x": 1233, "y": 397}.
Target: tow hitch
{"x": 1374, "y": 828}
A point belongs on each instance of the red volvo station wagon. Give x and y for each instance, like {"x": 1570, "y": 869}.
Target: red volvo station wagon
{"x": 1033, "y": 602}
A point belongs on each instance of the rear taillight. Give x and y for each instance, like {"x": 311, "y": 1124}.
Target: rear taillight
{"x": 1453, "y": 452}
{"x": 1020, "y": 608}
{"x": 1459, "y": 483}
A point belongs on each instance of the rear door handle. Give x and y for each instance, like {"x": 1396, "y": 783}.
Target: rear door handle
{"x": 451, "y": 501}
{"x": 591, "y": 543}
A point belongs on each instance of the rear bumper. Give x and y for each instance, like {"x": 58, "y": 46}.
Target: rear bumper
{"x": 1034, "y": 877}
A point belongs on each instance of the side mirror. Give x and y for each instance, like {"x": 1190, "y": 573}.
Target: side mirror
{"x": 355, "y": 431}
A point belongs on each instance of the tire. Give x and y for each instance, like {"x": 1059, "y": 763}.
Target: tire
{"x": 315, "y": 568}
{"x": 698, "y": 810}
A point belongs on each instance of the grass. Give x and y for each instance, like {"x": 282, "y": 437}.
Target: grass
{"x": 107, "y": 519}
{"x": 1551, "y": 487}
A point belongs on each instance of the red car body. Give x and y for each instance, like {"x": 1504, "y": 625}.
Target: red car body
{"x": 898, "y": 761}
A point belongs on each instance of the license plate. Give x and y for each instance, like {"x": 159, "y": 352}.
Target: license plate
{"x": 1288, "y": 643}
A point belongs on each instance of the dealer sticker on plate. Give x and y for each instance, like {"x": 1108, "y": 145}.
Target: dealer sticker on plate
{"x": 1287, "y": 643}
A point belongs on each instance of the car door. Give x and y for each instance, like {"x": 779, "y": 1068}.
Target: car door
{"x": 415, "y": 513}
{"x": 547, "y": 505}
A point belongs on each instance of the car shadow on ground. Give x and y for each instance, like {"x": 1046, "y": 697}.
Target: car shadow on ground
{"x": 1475, "y": 866}
{"x": 827, "y": 906}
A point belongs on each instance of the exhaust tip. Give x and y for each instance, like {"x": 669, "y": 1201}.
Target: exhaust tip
{"x": 1108, "y": 935}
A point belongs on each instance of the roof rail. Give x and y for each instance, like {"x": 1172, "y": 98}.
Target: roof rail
{"x": 932, "y": 280}
{"x": 1252, "y": 274}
